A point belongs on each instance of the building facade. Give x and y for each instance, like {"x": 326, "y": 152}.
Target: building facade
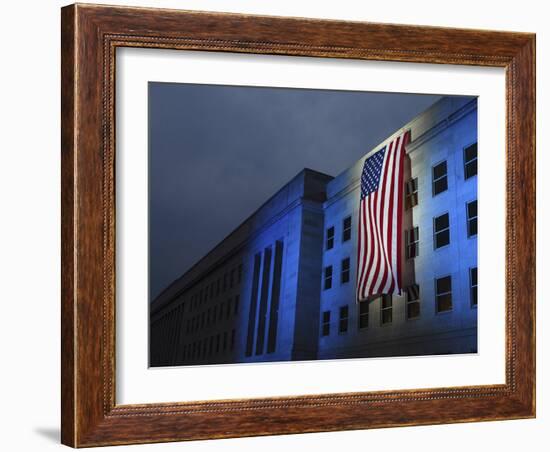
{"x": 282, "y": 285}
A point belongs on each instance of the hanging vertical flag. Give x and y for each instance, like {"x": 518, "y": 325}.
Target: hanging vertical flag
{"x": 380, "y": 221}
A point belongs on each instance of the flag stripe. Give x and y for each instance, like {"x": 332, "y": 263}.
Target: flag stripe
{"x": 380, "y": 221}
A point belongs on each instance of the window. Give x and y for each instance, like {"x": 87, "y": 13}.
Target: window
{"x": 473, "y": 286}
{"x": 439, "y": 178}
{"x": 346, "y": 232}
{"x": 471, "y": 213}
{"x": 470, "y": 161}
{"x": 232, "y": 346}
{"x": 344, "y": 273}
{"x": 441, "y": 231}
{"x": 411, "y": 193}
{"x": 413, "y": 301}
{"x": 363, "y": 314}
{"x": 330, "y": 238}
{"x": 236, "y": 307}
{"x": 443, "y": 294}
{"x": 344, "y": 315}
{"x": 325, "y": 328}
{"x": 231, "y": 278}
{"x": 386, "y": 306}
{"x": 411, "y": 240}
{"x": 328, "y": 277}
{"x": 224, "y": 282}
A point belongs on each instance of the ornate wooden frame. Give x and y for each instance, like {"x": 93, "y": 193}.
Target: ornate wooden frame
{"x": 90, "y": 35}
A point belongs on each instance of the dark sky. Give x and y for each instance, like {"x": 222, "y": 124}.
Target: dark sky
{"x": 217, "y": 153}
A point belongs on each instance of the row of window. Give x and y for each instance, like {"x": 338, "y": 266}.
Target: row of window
{"x": 441, "y": 230}
{"x": 344, "y": 273}
{"x": 209, "y": 346}
{"x": 211, "y": 316}
{"x": 220, "y": 286}
{"x": 346, "y": 233}
{"x": 439, "y": 171}
{"x": 443, "y": 303}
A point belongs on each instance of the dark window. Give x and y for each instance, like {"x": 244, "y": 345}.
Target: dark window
{"x": 471, "y": 212}
{"x": 325, "y": 328}
{"x": 240, "y": 274}
{"x": 443, "y": 294}
{"x": 328, "y": 277}
{"x": 218, "y": 286}
{"x": 470, "y": 161}
{"x": 473, "y": 286}
{"x": 224, "y": 341}
{"x": 236, "y": 307}
{"x": 441, "y": 231}
{"x": 344, "y": 273}
{"x": 228, "y": 310}
{"x": 346, "y": 232}
{"x": 344, "y": 316}
{"x": 208, "y": 317}
{"x": 214, "y": 314}
{"x": 411, "y": 193}
{"x": 439, "y": 178}
{"x": 218, "y": 343}
{"x": 411, "y": 239}
{"x": 413, "y": 301}
{"x": 222, "y": 305}
{"x": 363, "y": 314}
{"x": 231, "y": 278}
{"x": 232, "y": 346}
{"x": 330, "y": 238}
{"x": 224, "y": 282}
{"x": 386, "y": 309}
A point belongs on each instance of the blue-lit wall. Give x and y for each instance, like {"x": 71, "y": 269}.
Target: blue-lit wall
{"x": 259, "y": 295}
{"x": 439, "y": 134}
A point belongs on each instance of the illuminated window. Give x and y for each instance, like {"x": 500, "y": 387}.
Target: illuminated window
{"x": 471, "y": 212}
{"x": 441, "y": 231}
{"x": 386, "y": 309}
{"x": 473, "y": 286}
{"x": 411, "y": 193}
{"x": 330, "y": 238}
{"x": 325, "y": 329}
{"x": 328, "y": 277}
{"x": 439, "y": 178}
{"x": 344, "y": 273}
{"x": 411, "y": 240}
{"x": 413, "y": 301}
{"x": 470, "y": 161}
{"x": 443, "y": 294}
{"x": 344, "y": 317}
{"x": 346, "y": 232}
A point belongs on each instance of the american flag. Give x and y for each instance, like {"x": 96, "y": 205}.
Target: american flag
{"x": 380, "y": 221}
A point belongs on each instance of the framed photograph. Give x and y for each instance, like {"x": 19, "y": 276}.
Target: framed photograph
{"x": 278, "y": 225}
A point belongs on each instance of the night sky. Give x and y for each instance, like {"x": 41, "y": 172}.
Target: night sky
{"x": 217, "y": 153}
